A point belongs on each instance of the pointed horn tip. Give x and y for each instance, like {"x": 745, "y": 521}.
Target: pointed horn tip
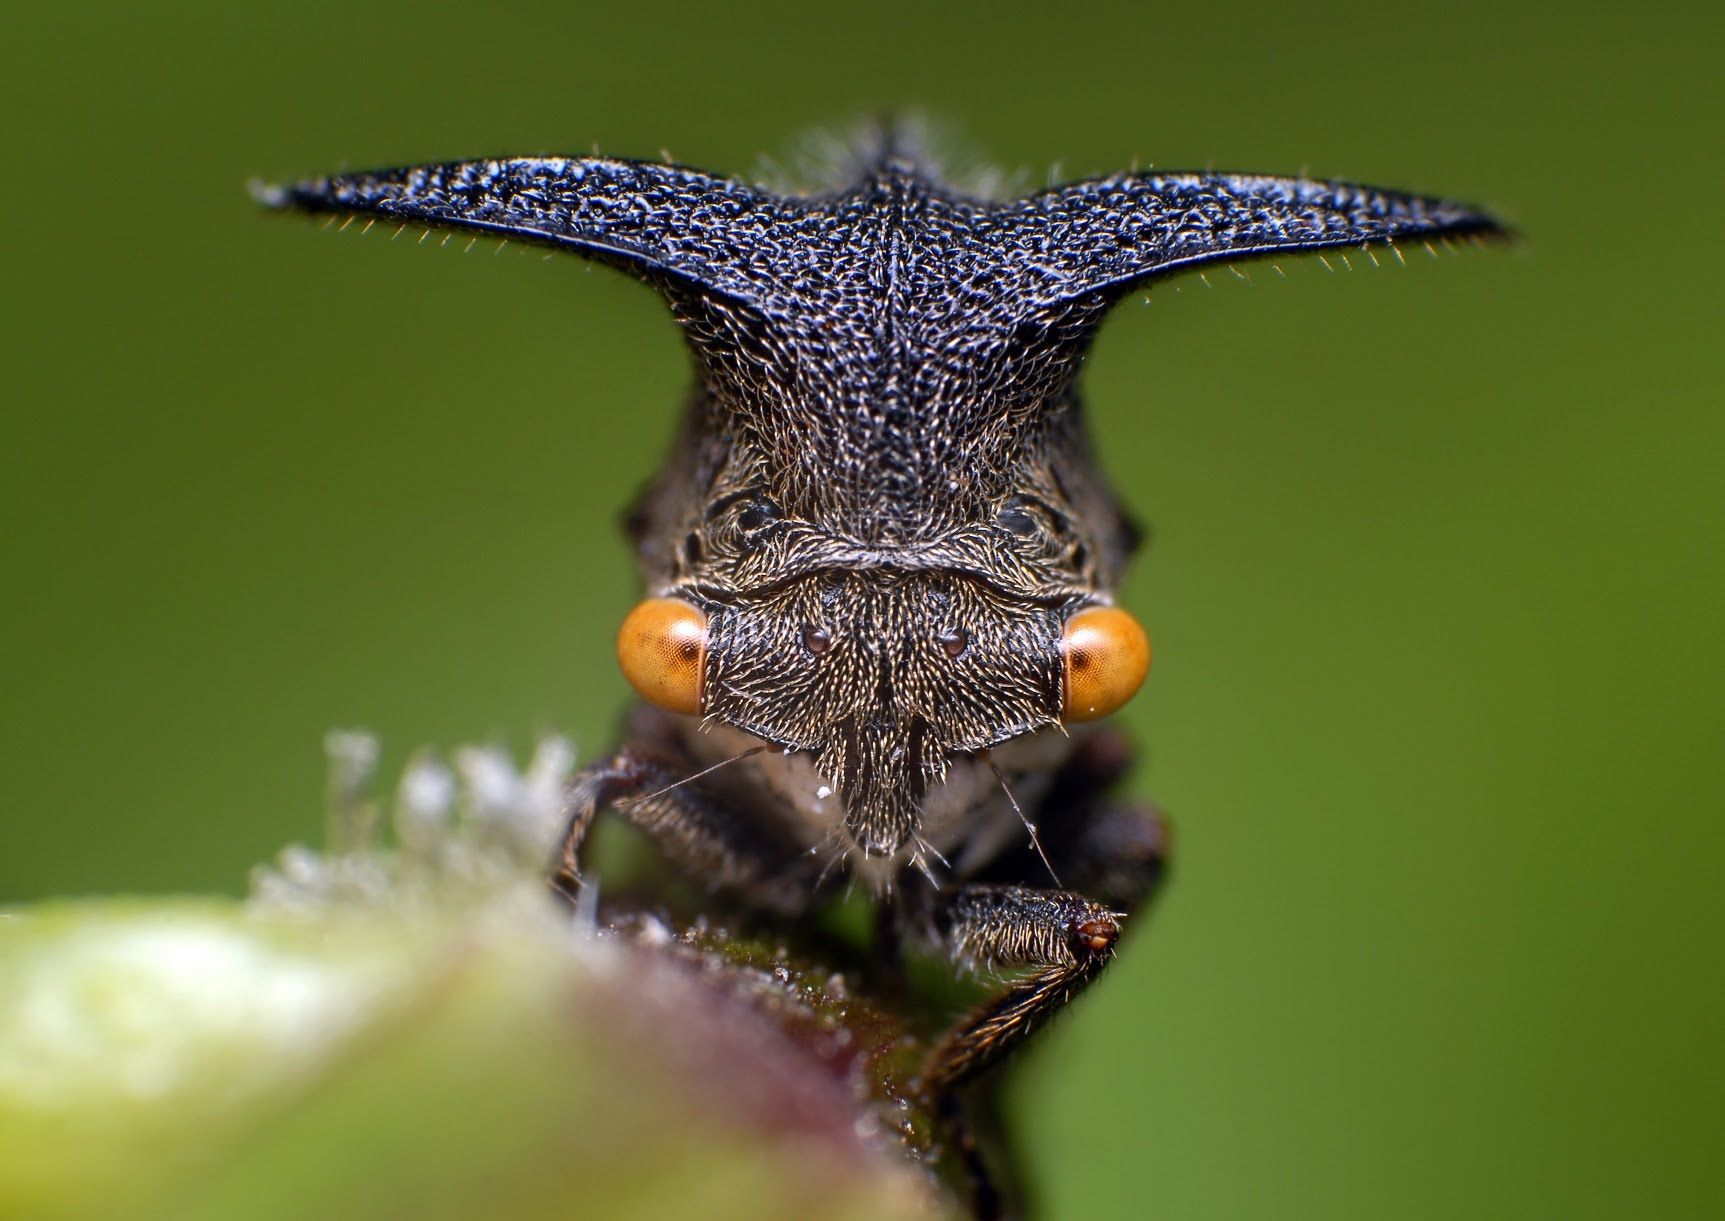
{"x": 1484, "y": 230}
{"x": 1485, "y": 223}
{"x": 311, "y": 195}
{"x": 1496, "y": 230}
{"x": 270, "y": 194}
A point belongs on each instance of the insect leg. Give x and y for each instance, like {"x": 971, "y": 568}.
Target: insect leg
{"x": 1066, "y": 940}
{"x": 1110, "y": 850}
{"x": 993, "y": 1166}
{"x": 693, "y": 830}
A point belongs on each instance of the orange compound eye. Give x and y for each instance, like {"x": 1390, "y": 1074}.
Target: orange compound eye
{"x": 662, "y": 647}
{"x": 1106, "y": 657}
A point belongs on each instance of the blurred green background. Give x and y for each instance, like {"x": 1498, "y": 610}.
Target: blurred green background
{"x": 1436, "y": 581}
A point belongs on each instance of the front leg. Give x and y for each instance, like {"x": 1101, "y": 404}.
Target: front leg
{"x": 699, "y": 835}
{"x": 1115, "y": 851}
{"x": 1064, "y": 937}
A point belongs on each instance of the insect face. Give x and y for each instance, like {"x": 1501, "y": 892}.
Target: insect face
{"x": 883, "y": 675}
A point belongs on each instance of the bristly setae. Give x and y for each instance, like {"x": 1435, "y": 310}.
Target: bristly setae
{"x": 880, "y": 559}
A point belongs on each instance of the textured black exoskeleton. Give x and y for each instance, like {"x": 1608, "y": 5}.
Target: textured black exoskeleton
{"x": 885, "y": 515}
